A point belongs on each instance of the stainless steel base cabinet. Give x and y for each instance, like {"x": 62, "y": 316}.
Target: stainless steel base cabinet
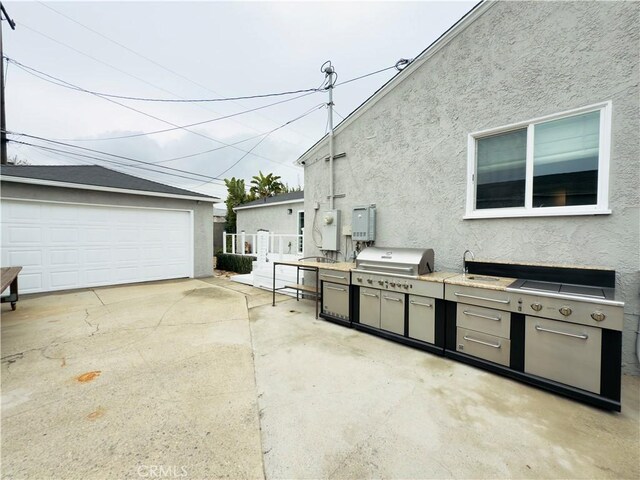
{"x": 370, "y": 307}
{"x": 422, "y": 318}
{"x": 481, "y": 345}
{"x": 392, "y": 312}
{"x": 566, "y": 352}
{"x": 335, "y": 300}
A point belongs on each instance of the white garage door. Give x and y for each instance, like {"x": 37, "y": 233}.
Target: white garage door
{"x": 64, "y": 246}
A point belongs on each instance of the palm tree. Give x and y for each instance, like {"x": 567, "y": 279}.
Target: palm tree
{"x": 263, "y": 186}
{"x": 236, "y": 195}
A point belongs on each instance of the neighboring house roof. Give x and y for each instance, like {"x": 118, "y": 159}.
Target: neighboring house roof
{"x": 219, "y": 212}
{"x": 94, "y": 177}
{"x": 291, "y": 197}
{"x": 440, "y": 42}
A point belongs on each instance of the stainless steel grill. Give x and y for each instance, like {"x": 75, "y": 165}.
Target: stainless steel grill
{"x": 404, "y": 262}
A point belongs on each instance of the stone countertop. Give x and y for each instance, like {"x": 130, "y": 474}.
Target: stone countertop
{"x": 476, "y": 280}
{"x": 340, "y": 267}
{"x": 438, "y": 277}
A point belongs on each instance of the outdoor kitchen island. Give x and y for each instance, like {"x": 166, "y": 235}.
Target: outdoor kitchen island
{"x": 554, "y": 327}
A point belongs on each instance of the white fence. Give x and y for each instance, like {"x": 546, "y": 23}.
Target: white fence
{"x": 250, "y": 243}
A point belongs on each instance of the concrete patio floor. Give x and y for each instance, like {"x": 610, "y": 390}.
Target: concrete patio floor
{"x": 205, "y": 379}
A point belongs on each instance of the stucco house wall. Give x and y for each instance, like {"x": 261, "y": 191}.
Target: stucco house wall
{"x": 407, "y": 153}
{"x": 202, "y": 218}
{"x": 274, "y": 218}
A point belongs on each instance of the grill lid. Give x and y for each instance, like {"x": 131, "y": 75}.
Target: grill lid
{"x": 410, "y": 262}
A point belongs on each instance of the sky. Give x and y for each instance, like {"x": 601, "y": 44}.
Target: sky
{"x": 198, "y": 50}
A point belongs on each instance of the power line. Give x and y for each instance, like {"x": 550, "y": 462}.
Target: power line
{"x": 322, "y": 105}
{"x": 163, "y": 100}
{"x": 39, "y": 74}
{"x": 92, "y": 157}
{"x": 93, "y": 151}
{"x": 365, "y": 76}
{"x": 58, "y": 81}
{"x": 184, "y": 77}
{"x": 46, "y": 151}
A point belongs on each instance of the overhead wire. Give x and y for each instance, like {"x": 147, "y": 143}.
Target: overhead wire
{"x": 112, "y": 162}
{"x": 317, "y": 107}
{"x": 162, "y": 100}
{"x": 175, "y": 127}
{"x": 87, "y": 160}
{"x": 93, "y": 157}
{"x": 152, "y": 164}
{"x": 69, "y": 85}
{"x": 365, "y": 76}
{"x": 121, "y": 45}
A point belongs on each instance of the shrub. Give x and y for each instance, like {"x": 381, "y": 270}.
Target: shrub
{"x": 234, "y": 263}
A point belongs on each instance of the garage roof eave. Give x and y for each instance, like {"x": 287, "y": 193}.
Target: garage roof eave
{"x": 80, "y": 186}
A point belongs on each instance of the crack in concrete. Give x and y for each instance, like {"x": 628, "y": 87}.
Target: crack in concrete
{"x": 96, "y": 294}
{"x": 255, "y": 382}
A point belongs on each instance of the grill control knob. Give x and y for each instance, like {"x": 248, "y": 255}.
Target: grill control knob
{"x": 392, "y": 284}
{"x": 406, "y": 286}
{"x": 536, "y": 306}
{"x": 359, "y": 279}
{"x": 598, "y": 316}
{"x": 566, "y": 311}
{"x": 369, "y": 280}
{"x": 380, "y": 282}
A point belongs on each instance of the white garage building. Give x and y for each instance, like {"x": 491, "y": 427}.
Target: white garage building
{"x": 83, "y": 226}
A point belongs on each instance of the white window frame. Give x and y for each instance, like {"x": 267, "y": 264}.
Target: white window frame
{"x": 601, "y": 208}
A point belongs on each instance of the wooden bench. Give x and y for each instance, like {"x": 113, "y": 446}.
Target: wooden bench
{"x": 10, "y": 279}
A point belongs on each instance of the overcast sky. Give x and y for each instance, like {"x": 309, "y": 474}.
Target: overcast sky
{"x": 208, "y": 50}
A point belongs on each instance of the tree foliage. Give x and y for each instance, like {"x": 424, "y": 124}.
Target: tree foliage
{"x": 236, "y": 195}
{"x": 17, "y": 161}
{"x": 263, "y": 186}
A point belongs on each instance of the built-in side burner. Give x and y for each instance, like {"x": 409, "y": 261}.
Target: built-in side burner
{"x": 563, "y": 289}
{"x": 585, "y": 291}
{"x": 541, "y": 286}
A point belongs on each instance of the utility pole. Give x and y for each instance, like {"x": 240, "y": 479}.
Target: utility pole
{"x": 3, "y": 120}
{"x": 330, "y": 73}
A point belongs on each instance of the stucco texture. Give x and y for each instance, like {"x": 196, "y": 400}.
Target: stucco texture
{"x": 274, "y": 218}
{"x": 202, "y": 218}
{"x": 518, "y": 61}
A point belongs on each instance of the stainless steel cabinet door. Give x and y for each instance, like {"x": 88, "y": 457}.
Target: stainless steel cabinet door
{"x": 422, "y": 318}
{"x": 335, "y": 300}
{"x": 392, "y": 312}
{"x": 564, "y": 352}
{"x": 370, "y": 307}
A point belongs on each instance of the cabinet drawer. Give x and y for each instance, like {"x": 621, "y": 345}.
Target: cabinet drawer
{"x": 422, "y": 318}
{"x": 482, "y": 297}
{"x": 335, "y": 300}
{"x": 370, "y": 307}
{"x": 564, "y": 352}
{"x": 484, "y": 320}
{"x": 392, "y": 312}
{"x": 488, "y": 347}
{"x": 334, "y": 276}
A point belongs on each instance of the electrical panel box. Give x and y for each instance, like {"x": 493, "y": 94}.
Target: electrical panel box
{"x": 331, "y": 230}
{"x": 363, "y": 224}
